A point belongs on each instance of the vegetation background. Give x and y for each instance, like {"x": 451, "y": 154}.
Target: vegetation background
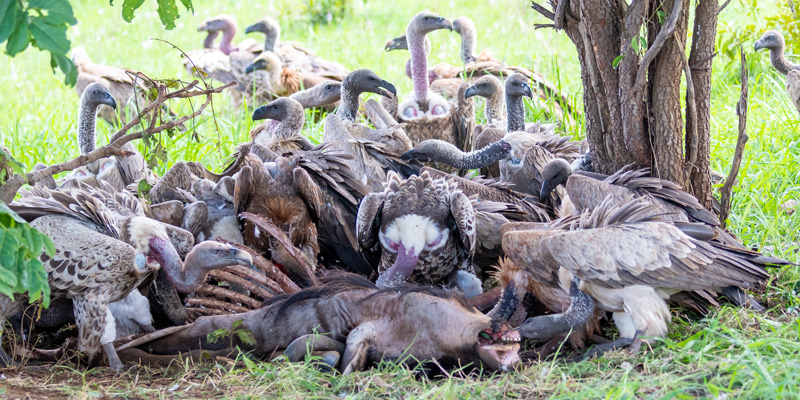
{"x": 731, "y": 353}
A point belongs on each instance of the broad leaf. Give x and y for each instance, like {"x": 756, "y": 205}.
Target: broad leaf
{"x": 129, "y": 7}
{"x": 49, "y": 37}
{"x": 66, "y": 66}
{"x": 168, "y": 12}
{"x": 617, "y": 60}
{"x": 9, "y": 243}
{"x": 58, "y": 11}
{"x": 8, "y": 18}
{"x": 13, "y": 163}
{"x": 19, "y": 39}
{"x": 188, "y": 5}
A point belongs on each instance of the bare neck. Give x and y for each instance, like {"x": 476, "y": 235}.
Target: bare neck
{"x": 779, "y": 61}
{"x": 227, "y": 38}
{"x": 419, "y": 65}
{"x": 271, "y": 40}
{"x": 495, "y": 106}
{"x": 469, "y": 42}
{"x": 291, "y": 125}
{"x": 208, "y": 43}
{"x": 516, "y": 113}
{"x": 348, "y": 108}
{"x": 87, "y": 115}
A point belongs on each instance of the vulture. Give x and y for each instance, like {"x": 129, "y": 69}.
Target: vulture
{"x": 311, "y": 195}
{"x": 324, "y": 95}
{"x": 286, "y": 135}
{"x": 619, "y": 258}
{"x": 116, "y": 171}
{"x": 424, "y": 230}
{"x": 102, "y": 254}
{"x": 373, "y": 151}
{"x": 428, "y": 115}
{"x": 282, "y": 80}
{"x": 293, "y": 55}
{"x": 773, "y": 40}
{"x": 216, "y": 62}
{"x": 521, "y": 156}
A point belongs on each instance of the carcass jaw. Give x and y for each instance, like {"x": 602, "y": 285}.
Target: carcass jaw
{"x": 413, "y": 232}
{"x": 503, "y": 346}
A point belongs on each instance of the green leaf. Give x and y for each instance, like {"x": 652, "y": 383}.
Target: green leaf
{"x": 49, "y": 247}
{"x": 635, "y": 44}
{"x": 642, "y": 42}
{"x": 661, "y": 15}
{"x": 617, "y": 60}
{"x": 66, "y": 66}
{"x": 58, "y": 11}
{"x": 8, "y": 18}
{"x": 143, "y": 188}
{"x": 5, "y": 210}
{"x": 168, "y": 12}
{"x": 246, "y": 337}
{"x": 129, "y": 7}
{"x": 12, "y": 162}
{"x": 9, "y": 243}
{"x": 49, "y": 37}
{"x": 188, "y": 5}
{"x": 19, "y": 39}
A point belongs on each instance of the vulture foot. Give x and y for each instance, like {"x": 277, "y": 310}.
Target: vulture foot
{"x": 546, "y": 327}
{"x": 113, "y": 358}
{"x": 633, "y": 344}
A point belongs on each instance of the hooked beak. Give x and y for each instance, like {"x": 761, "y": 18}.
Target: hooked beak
{"x": 471, "y": 91}
{"x": 260, "y": 113}
{"x": 257, "y": 27}
{"x": 202, "y": 27}
{"x": 759, "y": 45}
{"x": 547, "y": 187}
{"x": 413, "y": 155}
{"x": 109, "y": 101}
{"x": 238, "y": 257}
{"x": 527, "y": 90}
{"x": 403, "y": 267}
{"x": 385, "y": 88}
{"x": 446, "y": 23}
{"x": 391, "y": 44}
{"x": 256, "y": 66}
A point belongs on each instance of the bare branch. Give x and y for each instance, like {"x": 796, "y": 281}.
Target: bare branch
{"x": 691, "y": 112}
{"x": 722, "y": 7}
{"x": 561, "y": 14}
{"x": 666, "y": 31}
{"x": 741, "y": 111}
{"x": 542, "y": 10}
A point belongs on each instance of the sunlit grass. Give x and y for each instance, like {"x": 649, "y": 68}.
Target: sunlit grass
{"x": 732, "y": 353}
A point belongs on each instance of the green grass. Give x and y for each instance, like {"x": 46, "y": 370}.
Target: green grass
{"x": 732, "y": 353}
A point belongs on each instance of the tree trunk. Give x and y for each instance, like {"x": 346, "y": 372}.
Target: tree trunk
{"x": 633, "y": 111}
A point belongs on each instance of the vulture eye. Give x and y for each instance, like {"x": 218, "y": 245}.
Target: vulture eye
{"x": 274, "y": 107}
{"x": 426, "y": 19}
{"x": 328, "y": 87}
{"x": 215, "y": 252}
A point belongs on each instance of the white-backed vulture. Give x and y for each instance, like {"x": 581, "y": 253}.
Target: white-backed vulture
{"x": 102, "y": 254}
{"x": 774, "y": 41}
{"x": 216, "y": 62}
{"x": 282, "y": 80}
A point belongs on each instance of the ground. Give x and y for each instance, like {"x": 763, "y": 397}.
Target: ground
{"x": 731, "y": 353}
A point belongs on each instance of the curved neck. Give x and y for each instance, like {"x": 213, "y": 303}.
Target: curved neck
{"x": 271, "y": 40}
{"x": 307, "y": 98}
{"x": 348, "y": 108}
{"x": 227, "y": 39}
{"x": 188, "y": 276}
{"x": 469, "y": 42}
{"x": 516, "y": 113}
{"x": 208, "y": 43}
{"x": 291, "y": 125}
{"x": 451, "y": 155}
{"x": 419, "y": 65}
{"x": 779, "y": 61}
{"x": 87, "y": 114}
{"x": 495, "y": 105}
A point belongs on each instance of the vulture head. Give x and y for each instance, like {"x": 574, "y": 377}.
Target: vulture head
{"x": 425, "y": 228}
{"x": 469, "y": 38}
{"x": 398, "y": 43}
{"x": 322, "y": 94}
{"x": 278, "y": 109}
{"x": 97, "y": 94}
{"x": 487, "y": 86}
{"x": 220, "y": 23}
{"x": 270, "y": 27}
{"x": 556, "y": 172}
{"x": 80, "y": 56}
{"x": 434, "y": 150}
{"x": 426, "y": 22}
{"x": 517, "y": 86}
{"x": 772, "y": 40}
{"x": 364, "y": 80}
{"x": 266, "y": 61}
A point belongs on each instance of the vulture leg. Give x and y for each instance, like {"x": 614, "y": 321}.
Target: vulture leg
{"x": 358, "y": 343}
{"x": 739, "y": 297}
{"x": 107, "y": 341}
{"x": 307, "y": 344}
{"x": 91, "y": 316}
{"x": 574, "y": 318}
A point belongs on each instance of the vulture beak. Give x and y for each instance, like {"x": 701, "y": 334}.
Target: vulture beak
{"x": 256, "y": 66}
{"x": 547, "y": 187}
{"x": 202, "y": 27}
{"x": 109, "y": 101}
{"x": 238, "y": 257}
{"x": 260, "y": 113}
{"x": 470, "y": 92}
{"x": 759, "y": 45}
{"x": 527, "y": 90}
{"x": 257, "y": 27}
{"x": 385, "y": 88}
{"x": 413, "y": 155}
{"x": 402, "y": 268}
{"x": 390, "y": 45}
{"x": 446, "y": 23}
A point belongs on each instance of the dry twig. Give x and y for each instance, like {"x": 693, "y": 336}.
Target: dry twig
{"x": 741, "y": 111}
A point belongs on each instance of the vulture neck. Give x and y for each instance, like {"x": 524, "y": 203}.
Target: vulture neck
{"x": 451, "y": 155}
{"x": 188, "y": 276}
{"x": 291, "y": 125}
{"x": 210, "y": 38}
{"x": 493, "y": 111}
{"x": 516, "y": 113}
{"x": 271, "y": 39}
{"x": 348, "y": 108}
{"x": 469, "y": 42}
{"x": 779, "y": 61}
{"x": 87, "y": 114}
{"x": 419, "y": 65}
{"x": 227, "y": 38}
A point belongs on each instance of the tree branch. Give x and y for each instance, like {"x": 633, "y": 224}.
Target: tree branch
{"x": 722, "y": 7}
{"x": 741, "y": 111}
{"x": 542, "y": 10}
{"x": 691, "y": 112}
{"x": 666, "y": 31}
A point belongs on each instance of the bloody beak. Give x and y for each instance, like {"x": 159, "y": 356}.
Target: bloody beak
{"x": 403, "y": 267}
